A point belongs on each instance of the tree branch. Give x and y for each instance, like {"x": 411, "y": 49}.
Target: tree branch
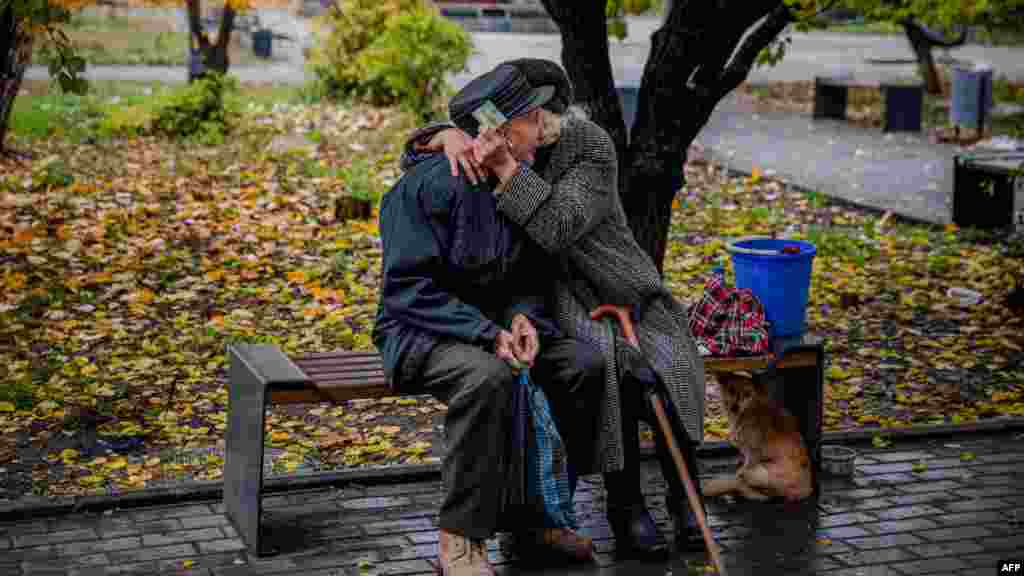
{"x": 195, "y": 24}
{"x": 585, "y": 57}
{"x": 227, "y": 25}
{"x": 8, "y": 36}
{"x": 728, "y": 38}
{"x": 741, "y": 64}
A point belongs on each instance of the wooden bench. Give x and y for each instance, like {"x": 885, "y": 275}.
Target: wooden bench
{"x": 902, "y": 102}
{"x": 261, "y": 375}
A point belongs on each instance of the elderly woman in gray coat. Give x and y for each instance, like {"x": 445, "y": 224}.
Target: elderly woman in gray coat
{"x": 568, "y": 202}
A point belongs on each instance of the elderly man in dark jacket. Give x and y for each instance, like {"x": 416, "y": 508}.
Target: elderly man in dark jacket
{"x": 455, "y": 273}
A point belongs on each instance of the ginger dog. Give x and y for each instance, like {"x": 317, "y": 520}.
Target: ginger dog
{"x": 774, "y": 457}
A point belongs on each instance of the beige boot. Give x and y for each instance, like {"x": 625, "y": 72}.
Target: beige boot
{"x": 461, "y": 556}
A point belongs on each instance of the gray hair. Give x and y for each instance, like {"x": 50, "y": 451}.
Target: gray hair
{"x": 551, "y": 122}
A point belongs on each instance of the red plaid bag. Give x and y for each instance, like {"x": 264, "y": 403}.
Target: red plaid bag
{"x": 729, "y": 321}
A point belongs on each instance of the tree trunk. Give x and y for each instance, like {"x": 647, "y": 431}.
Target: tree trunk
{"x": 213, "y": 54}
{"x": 925, "y": 62}
{"x": 15, "y": 54}
{"x": 699, "y": 55}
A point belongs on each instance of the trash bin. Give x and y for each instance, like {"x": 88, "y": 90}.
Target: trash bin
{"x": 261, "y": 40}
{"x": 988, "y": 190}
{"x": 972, "y": 95}
{"x": 496, "y": 20}
{"x": 903, "y": 107}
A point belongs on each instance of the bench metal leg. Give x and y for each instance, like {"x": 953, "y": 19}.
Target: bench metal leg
{"x": 829, "y": 101}
{"x": 243, "y": 459}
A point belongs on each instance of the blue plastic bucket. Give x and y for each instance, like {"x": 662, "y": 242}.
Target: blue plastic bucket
{"x": 780, "y": 281}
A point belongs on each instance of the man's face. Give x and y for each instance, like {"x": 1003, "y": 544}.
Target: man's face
{"x": 523, "y": 135}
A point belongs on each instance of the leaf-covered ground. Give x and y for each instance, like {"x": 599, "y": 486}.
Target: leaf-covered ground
{"x": 126, "y": 266}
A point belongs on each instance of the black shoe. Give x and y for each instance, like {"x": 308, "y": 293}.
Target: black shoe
{"x": 636, "y": 534}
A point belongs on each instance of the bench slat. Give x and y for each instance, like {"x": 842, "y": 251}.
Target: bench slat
{"x": 363, "y": 362}
{"x": 349, "y": 382}
{"x": 319, "y": 372}
{"x": 322, "y": 366}
{"x": 344, "y": 354}
{"x": 337, "y": 394}
{"x": 792, "y": 360}
{"x": 338, "y": 378}
{"x": 344, "y": 375}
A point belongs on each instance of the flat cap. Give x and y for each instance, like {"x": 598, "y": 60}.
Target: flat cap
{"x": 506, "y": 87}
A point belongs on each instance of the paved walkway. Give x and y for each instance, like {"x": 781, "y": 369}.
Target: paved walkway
{"x": 901, "y": 172}
{"x": 808, "y": 55}
{"x": 954, "y": 517}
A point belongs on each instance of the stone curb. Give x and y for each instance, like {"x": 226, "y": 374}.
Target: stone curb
{"x": 35, "y": 507}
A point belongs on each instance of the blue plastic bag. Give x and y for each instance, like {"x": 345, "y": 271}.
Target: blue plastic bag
{"x": 549, "y": 476}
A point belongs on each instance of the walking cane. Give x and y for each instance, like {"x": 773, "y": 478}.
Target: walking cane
{"x": 666, "y": 428}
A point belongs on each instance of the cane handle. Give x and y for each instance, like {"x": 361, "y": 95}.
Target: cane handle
{"x": 622, "y": 314}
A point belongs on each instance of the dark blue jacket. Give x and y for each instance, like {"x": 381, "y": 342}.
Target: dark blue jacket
{"x": 453, "y": 268}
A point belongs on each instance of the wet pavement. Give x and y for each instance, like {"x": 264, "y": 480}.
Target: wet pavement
{"x": 901, "y": 172}
{"x": 952, "y": 505}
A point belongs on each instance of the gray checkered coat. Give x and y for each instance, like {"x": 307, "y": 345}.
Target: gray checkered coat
{"x": 580, "y": 220}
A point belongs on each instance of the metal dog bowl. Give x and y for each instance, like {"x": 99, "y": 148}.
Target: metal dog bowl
{"x": 838, "y": 460}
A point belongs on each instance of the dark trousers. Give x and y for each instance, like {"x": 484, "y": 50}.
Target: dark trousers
{"x": 624, "y": 488}
{"x": 478, "y": 389}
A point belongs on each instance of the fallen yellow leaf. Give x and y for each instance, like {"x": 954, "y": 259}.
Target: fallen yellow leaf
{"x": 91, "y": 480}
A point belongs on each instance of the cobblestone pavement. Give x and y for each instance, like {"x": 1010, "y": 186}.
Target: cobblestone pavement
{"x": 939, "y": 506}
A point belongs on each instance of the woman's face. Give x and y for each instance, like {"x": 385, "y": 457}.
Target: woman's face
{"x": 523, "y": 135}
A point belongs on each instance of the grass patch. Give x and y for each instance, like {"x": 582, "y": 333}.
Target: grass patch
{"x": 43, "y": 111}
{"x": 18, "y": 393}
{"x": 884, "y": 28}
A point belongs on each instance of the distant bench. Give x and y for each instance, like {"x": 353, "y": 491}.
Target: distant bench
{"x": 260, "y": 375}
{"x": 902, "y": 102}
